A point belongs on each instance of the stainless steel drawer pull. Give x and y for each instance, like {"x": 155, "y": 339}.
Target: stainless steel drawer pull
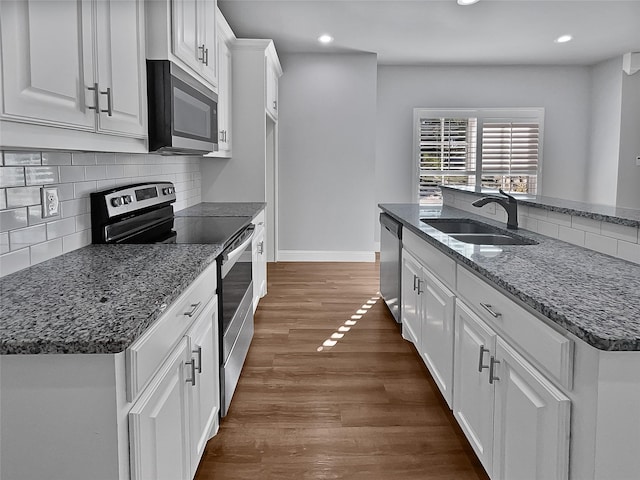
{"x": 198, "y": 352}
{"x": 96, "y": 100}
{"x": 492, "y": 364}
{"x": 414, "y": 282}
{"x": 481, "y": 365}
{"x": 206, "y": 57}
{"x": 192, "y": 380}
{"x": 109, "y": 110}
{"x": 489, "y": 308}
{"x": 261, "y": 248}
{"x": 194, "y": 308}
{"x": 201, "y": 58}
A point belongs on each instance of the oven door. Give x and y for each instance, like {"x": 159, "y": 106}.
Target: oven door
{"x": 235, "y": 295}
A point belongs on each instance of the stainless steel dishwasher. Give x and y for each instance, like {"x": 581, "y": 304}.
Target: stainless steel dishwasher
{"x": 390, "y": 263}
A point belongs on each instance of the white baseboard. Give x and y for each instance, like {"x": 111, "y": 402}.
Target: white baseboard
{"x": 325, "y": 256}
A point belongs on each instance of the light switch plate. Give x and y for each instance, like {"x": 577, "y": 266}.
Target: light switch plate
{"x": 50, "y": 202}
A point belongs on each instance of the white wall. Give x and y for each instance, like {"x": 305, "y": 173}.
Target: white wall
{"x": 604, "y": 131}
{"x": 562, "y": 91}
{"x": 327, "y": 123}
{"x": 628, "y": 194}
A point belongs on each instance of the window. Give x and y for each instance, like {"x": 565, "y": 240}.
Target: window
{"x": 488, "y": 148}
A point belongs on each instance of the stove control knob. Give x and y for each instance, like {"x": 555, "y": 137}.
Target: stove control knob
{"x": 116, "y": 201}
{"x": 126, "y": 199}
{"x": 169, "y": 190}
{"x": 165, "y": 191}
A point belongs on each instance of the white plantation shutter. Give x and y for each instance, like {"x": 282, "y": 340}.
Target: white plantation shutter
{"x": 510, "y": 148}
{"x": 447, "y": 145}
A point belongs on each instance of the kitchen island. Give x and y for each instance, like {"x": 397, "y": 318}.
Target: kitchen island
{"x": 536, "y": 348}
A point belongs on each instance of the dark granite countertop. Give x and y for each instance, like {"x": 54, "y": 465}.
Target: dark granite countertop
{"x": 223, "y": 209}
{"x": 605, "y": 213}
{"x": 594, "y": 296}
{"x": 98, "y": 299}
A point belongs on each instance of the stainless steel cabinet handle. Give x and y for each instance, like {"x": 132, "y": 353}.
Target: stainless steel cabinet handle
{"x": 420, "y": 282}
{"x": 206, "y": 57}
{"x": 192, "y": 380}
{"x": 414, "y": 282}
{"x": 481, "y": 365}
{"x": 275, "y": 105}
{"x": 194, "y": 307}
{"x": 198, "y": 352}
{"x": 261, "y": 248}
{"x": 492, "y": 364}
{"x": 489, "y": 308}
{"x": 96, "y": 100}
{"x": 201, "y": 58}
{"x": 109, "y": 110}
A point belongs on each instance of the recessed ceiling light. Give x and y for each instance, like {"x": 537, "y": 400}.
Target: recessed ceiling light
{"x": 563, "y": 39}
{"x": 467, "y": 2}
{"x": 325, "y": 38}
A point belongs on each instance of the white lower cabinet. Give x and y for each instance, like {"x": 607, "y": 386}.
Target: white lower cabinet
{"x": 427, "y": 320}
{"x": 259, "y": 260}
{"x": 159, "y": 422}
{"x": 516, "y": 421}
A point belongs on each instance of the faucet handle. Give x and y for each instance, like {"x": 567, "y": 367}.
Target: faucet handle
{"x": 511, "y": 199}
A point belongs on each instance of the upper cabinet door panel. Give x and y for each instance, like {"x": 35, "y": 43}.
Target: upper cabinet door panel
{"x": 121, "y": 66}
{"x": 209, "y": 40}
{"x": 46, "y": 62}
{"x": 185, "y": 33}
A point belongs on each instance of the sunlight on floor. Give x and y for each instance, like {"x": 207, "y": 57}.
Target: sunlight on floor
{"x": 346, "y": 326}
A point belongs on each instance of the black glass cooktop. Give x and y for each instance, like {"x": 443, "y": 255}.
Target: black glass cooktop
{"x": 208, "y": 230}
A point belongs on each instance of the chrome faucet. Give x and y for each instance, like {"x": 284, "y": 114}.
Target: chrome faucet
{"x": 509, "y": 203}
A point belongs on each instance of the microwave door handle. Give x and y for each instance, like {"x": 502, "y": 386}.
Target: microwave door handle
{"x": 231, "y": 257}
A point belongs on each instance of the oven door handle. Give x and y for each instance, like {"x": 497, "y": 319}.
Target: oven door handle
{"x": 231, "y": 257}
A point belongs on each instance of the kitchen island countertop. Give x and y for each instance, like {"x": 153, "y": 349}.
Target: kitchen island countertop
{"x": 594, "y": 296}
{"x": 223, "y": 209}
{"x": 98, "y": 299}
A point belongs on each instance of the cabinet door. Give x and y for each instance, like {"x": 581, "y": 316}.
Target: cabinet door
{"x": 224, "y": 98}
{"x": 436, "y": 345}
{"x": 121, "y": 67}
{"x": 531, "y": 422}
{"x": 411, "y": 310}
{"x": 272, "y": 90}
{"x": 205, "y": 406}
{"x": 473, "y": 398}
{"x": 47, "y": 62}
{"x": 159, "y": 422}
{"x": 207, "y": 14}
{"x": 186, "y": 32}
{"x": 259, "y": 271}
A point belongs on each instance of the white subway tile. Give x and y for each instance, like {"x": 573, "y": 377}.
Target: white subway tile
{"x": 601, "y": 243}
{"x": 23, "y": 237}
{"x": 71, "y": 208}
{"x": 586, "y": 224}
{"x": 629, "y": 251}
{"x": 621, "y": 232}
{"x": 538, "y": 213}
{"x": 4, "y": 243}
{"x": 23, "y": 196}
{"x": 558, "y": 218}
{"x": 80, "y": 158}
{"x": 3, "y": 199}
{"x": 76, "y": 240}
{"x": 72, "y": 174}
{"x": 83, "y": 222}
{"x": 45, "y": 251}
{"x": 12, "y": 219}
{"x": 115, "y": 171}
{"x": 22, "y": 158}
{"x": 105, "y": 184}
{"x": 547, "y": 228}
{"x": 529, "y": 223}
{"x": 65, "y": 191}
{"x": 35, "y": 215}
{"x": 41, "y": 175}
{"x": 106, "y": 158}
{"x": 98, "y": 172}
{"x": 131, "y": 171}
{"x": 571, "y": 235}
{"x": 12, "y": 177}
{"x": 60, "y": 228}
{"x": 56, "y": 158}
{"x": 83, "y": 189}
{"x": 14, "y": 261}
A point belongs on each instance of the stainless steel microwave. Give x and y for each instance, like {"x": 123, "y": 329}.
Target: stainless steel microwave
{"x": 183, "y": 113}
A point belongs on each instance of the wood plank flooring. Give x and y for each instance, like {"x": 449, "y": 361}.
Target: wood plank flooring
{"x": 364, "y": 408}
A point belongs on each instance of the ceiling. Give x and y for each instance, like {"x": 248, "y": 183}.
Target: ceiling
{"x": 423, "y": 32}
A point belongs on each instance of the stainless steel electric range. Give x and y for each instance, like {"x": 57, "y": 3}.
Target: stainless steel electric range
{"x": 143, "y": 213}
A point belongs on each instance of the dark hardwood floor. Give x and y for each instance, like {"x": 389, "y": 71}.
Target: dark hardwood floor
{"x": 364, "y": 408}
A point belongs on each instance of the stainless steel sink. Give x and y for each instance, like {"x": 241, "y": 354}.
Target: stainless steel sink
{"x": 477, "y": 233}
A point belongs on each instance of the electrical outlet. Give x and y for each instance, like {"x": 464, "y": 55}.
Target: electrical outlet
{"x": 50, "y": 202}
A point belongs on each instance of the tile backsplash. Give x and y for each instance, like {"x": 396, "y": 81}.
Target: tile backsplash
{"x": 26, "y": 238}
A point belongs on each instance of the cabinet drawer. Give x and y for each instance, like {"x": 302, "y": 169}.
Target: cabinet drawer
{"x": 259, "y": 221}
{"x": 440, "y": 264}
{"x": 147, "y": 353}
{"x": 537, "y": 341}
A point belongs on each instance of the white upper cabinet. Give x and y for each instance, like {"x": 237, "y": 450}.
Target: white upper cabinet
{"x": 72, "y": 65}
{"x": 47, "y": 62}
{"x": 273, "y": 73}
{"x": 184, "y": 31}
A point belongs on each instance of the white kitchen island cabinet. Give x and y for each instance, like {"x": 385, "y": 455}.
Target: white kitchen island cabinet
{"x": 144, "y": 413}
{"x": 73, "y": 75}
